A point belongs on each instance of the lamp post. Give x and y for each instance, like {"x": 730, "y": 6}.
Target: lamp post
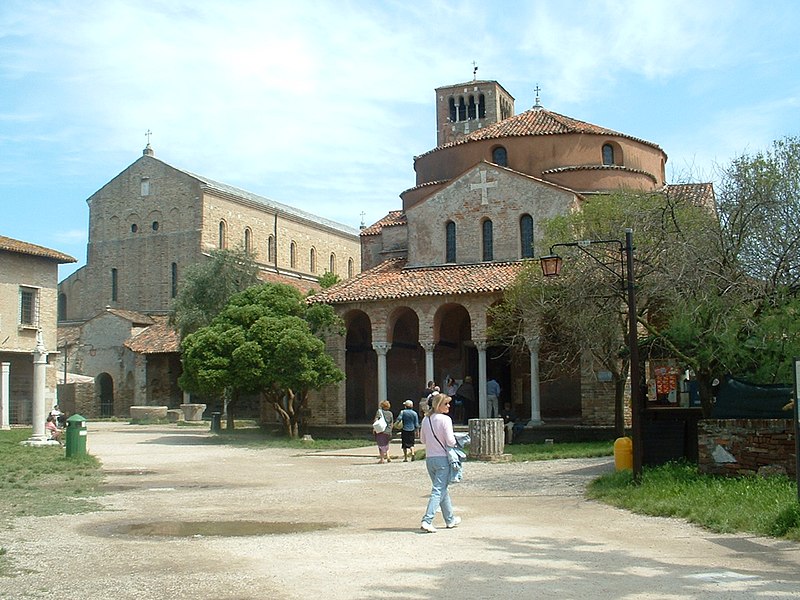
{"x": 551, "y": 266}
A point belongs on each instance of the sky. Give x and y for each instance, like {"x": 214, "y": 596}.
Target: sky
{"x": 323, "y": 104}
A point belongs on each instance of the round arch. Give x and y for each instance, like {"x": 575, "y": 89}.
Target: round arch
{"x": 405, "y": 361}
{"x": 361, "y": 368}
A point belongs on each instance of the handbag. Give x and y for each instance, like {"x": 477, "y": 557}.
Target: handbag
{"x": 398, "y": 424}
{"x": 379, "y": 426}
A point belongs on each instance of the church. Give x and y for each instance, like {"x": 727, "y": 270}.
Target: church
{"x": 146, "y": 226}
{"x": 432, "y": 269}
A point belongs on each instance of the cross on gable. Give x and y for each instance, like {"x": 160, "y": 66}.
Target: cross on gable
{"x": 483, "y": 186}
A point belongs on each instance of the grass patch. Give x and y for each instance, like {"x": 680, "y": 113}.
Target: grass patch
{"x": 41, "y": 481}
{"x": 256, "y": 437}
{"x": 523, "y": 452}
{"x": 760, "y": 505}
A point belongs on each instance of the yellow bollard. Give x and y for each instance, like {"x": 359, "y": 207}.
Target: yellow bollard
{"x": 623, "y": 453}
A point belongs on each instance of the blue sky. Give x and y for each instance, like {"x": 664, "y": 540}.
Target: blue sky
{"x": 323, "y": 104}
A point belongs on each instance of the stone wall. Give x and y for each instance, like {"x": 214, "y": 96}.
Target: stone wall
{"x": 746, "y": 446}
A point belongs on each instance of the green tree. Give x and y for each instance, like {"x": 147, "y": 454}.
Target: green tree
{"x": 267, "y": 340}
{"x": 207, "y": 287}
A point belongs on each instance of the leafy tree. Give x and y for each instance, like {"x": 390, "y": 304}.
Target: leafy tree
{"x": 328, "y": 279}
{"x": 207, "y": 287}
{"x": 267, "y": 341}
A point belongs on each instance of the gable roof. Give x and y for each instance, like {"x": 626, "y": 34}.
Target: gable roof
{"x": 393, "y": 219}
{"x": 392, "y": 279}
{"x": 19, "y": 247}
{"x": 699, "y": 194}
{"x": 537, "y": 121}
{"x": 159, "y": 338}
{"x": 135, "y": 318}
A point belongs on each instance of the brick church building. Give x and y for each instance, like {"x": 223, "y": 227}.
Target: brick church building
{"x": 432, "y": 269}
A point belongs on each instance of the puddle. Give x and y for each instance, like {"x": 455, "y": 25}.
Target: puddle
{"x": 219, "y": 528}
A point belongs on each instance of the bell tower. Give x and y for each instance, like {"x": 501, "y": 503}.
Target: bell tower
{"x": 464, "y": 107}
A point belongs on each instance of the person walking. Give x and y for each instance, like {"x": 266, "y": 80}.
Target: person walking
{"x": 382, "y": 438}
{"x": 466, "y": 391}
{"x": 409, "y": 429}
{"x": 436, "y": 432}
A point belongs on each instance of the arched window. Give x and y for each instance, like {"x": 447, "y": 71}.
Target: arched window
{"x": 462, "y": 109}
{"x": 350, "y": 268}
{"x": 271, "y": 249}
{"x": 500, "y": 156}
{"x": 312, "y": 260}
{"x": 526, "y": 236}
{"x": 248, "y": 240}
{"x": 608, "y": 154}
{"x": 332, "y": 267}
{"x": 223, "y": 233}
{"x": 481, "y": 106}
{"x": 62, "y": 307}
{"x": 471, "y": 110}
{"x": 450, "y": 236}
{"x": 114, "y": 285}
{"x": 453, "y": 115}
{"x": 488, "y": 240}
{"x": 293, "y": 254}
{"x": 174, "y": 274}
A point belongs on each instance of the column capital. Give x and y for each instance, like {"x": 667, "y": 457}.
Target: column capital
{"x": 428, "y": 346}
{"x": 381, "y": 347}
{"x": 532, "y": 341}
{"x": 481, "y": 345}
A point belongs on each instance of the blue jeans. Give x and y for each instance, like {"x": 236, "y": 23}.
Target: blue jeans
{"x": 439, "y": 471}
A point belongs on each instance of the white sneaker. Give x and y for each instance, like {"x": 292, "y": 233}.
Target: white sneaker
{"x": 454, "y": 523}
{"x": 428, "y": 527}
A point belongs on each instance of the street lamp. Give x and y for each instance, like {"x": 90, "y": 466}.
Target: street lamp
{"x": 551, "y": 266}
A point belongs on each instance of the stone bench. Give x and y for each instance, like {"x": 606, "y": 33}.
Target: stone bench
{"x": 149, "y": 413}
{"x": 174, "y": 415}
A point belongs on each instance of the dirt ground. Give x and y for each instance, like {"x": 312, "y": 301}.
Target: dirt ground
{"x": 188, "y": 519}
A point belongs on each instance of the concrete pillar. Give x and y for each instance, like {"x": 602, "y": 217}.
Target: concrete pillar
{"x": 5, "y": 395}
{"x": 533, "y": 345}
{"x": 381, "y": 348}
{"x": 483, "y": 403}
{"x": 429, "y": 367}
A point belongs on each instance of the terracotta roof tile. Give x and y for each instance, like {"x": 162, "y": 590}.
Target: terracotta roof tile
{"x": 700, "y": 194}
{"x": 392, "y": 279}
{"x": 11, "y": 245}
{"x": 159, "y": 338}
{"x": 536, "y": 121}
{"x": 395, "y": 217}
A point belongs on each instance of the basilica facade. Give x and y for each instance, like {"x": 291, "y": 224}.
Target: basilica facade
{"x": 431, "y": 269}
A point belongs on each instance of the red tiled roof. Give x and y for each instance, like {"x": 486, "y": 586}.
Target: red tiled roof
{"x": 392, "y": 279}
{"x": 11, "y": 245}
{"x": 134, "y": 317}
{"x": 536, "y": 121}
{"x": 159, "y": 338}
{"x": 395, "y": 217}
{"x": 700, "y": 194}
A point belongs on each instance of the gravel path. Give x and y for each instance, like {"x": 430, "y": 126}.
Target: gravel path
{"x": 337, "y": 525}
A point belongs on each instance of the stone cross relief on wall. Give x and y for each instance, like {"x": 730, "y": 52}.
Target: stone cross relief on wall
{"x": 483, "y": 186}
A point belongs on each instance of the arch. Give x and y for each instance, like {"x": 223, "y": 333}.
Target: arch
{"x": 405, "y": 360}
{"x": 481, "y": 106}
{"x": 452, "y": 106}
{"x": 271, "y": 249}
{"x": 361, "y": 368}
{"x": 450, "y": 242}
{"x": 312, "y": 260}
{"x": 351, "y": 268}
{"x": 526, "y": 236}
{"x": 114, "y": 285}
{"x": 104, "y": 394}
{"x": 472, "y": 110}
{"x": 332, "y": 263}
{"x": 293, "y": 255}
{"x": 608, "y": 154}
{"x": 487, "y": 229}
{"x": 174, "y": 280}
{"x": 62, "y": 307}
{"x": 454, "y": 354}
{"x": 500, "y": 156}
{"x": 222, "y": 240}
{"x": 612, "y": 154}
{"x": 462, "y": 109}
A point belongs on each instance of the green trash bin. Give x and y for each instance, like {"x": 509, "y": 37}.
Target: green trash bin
{"x": 76, "y": 436}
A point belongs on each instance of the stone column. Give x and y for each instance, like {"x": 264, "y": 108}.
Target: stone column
{"x": 533, "y": 345}
{"x": 487, "y": 440}
{"x": 428, "y": 347}
{"x": 140, "y": 380}
{"x": 483, "y": 403}
{"x": 5, "y": 395}
{"x": 381, "y": 348}
{"x": 38, "y": 437}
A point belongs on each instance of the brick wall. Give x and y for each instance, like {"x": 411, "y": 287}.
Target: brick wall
{"x": 746, "y": 446}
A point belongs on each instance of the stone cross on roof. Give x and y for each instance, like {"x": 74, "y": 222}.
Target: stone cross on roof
{"x": 483, "y": 186}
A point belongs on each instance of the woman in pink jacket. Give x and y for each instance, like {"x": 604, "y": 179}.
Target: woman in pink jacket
{"x": 436, "y": 432}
